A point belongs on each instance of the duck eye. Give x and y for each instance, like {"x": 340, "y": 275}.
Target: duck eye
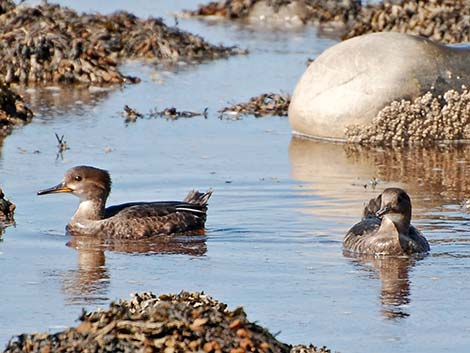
{"x": 78, "y": 178}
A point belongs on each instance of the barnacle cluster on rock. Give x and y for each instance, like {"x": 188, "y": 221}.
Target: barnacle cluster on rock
{"x": 265, "y": 104}
{"x": 427, "y": 120}
{"x": 50, "y": 43}
{"x": 187, "y": 322}
{"x": 13, "y": 111}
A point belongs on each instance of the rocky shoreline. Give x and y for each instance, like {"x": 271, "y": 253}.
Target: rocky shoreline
{"x": 306, "y": 11}
{"x": 49, "y": 43}
{"x": 184, "y": 322}
{"x": 443, "y": 21}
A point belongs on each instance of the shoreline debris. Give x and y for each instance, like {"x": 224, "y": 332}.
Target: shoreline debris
{"x": 131, "y": 115}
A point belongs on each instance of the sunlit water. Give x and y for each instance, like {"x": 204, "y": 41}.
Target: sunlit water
{"x": 276, "y": 219}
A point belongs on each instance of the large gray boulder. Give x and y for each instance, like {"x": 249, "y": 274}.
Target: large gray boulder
{"x": 352, "y": 81}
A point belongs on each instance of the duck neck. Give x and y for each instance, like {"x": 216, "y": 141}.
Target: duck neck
{"x": 395, "y": 220}
{"x": 89, "y": 210}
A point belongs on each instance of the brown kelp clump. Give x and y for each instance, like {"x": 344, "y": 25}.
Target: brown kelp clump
{"x": 7, "y": 211}
{"x": 317, "y": 11}
{"x": 13, "y": 111}
{"x": 444, "y": 21}
{"x": 187, "y": 322}
{"x": 6, "y": 5}
{"x": 265, "y": 104}
{"x": 427, "y": 120}
{"x": 50, "y": 43}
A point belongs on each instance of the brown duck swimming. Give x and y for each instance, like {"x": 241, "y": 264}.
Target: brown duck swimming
{"x": 130, "y": 220}
{"x": 386, "y": 229}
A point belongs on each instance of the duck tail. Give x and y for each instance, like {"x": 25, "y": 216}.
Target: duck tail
{"x": 372, "y": 207}
{"x": 198, "y": 198}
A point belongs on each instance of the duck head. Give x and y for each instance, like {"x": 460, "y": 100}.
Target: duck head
{"x": 396, "y": 206}
{"x": 88, "y": 183}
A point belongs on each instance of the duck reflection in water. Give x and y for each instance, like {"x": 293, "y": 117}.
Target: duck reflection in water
{"x": 394, "y": 277}
{"x": 89, "y": 283}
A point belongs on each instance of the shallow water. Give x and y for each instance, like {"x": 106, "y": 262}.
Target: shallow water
{"x": 276, "y": 219}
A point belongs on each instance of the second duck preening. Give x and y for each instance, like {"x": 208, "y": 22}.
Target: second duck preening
{"x": 132, "y": 220}
{"x": 385, "y": 228}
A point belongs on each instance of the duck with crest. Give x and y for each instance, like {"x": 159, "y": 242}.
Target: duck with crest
{"x": 132, "y": 220}
{"x": 385, "y": 228}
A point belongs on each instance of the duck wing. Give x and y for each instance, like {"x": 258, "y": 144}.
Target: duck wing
{"x": 143, "y": 219}
{"x": 161, "y": 208}
{"x": 356, "y": 237}
{"x": 364, "y": 227}
{"x": 416, "y": 242}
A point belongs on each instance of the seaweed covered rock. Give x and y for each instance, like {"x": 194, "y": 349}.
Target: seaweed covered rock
{"x": 444, "y": 21}
{"x": 427, "y": 120}
{"x": 50, "y": 43}
{"x": 265, "y": 104}
{"x": 7, "y": 211}
{"x": 316, "y": 11}
{"x": 187, "y": 322}
{"x": 6, "y": 5}
{"x": 13, "y": 111}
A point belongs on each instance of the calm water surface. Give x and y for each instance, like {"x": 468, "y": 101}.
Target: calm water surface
{"x": 276, "y": 219}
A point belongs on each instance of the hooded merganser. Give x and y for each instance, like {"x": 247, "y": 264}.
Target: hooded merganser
{"x": 386, "y": 230}
{"x": 130, "y": 220}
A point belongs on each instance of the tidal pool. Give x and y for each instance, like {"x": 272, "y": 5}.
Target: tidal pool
{"x": 276, "y": 219}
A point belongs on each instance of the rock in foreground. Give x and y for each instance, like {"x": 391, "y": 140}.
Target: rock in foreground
{"x": 187, "y": 322}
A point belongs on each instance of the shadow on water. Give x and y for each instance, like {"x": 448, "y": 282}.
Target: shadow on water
{"x": 90, "y": 281}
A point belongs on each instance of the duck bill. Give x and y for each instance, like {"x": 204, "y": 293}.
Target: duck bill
{"x": 382, "y": 211}
{"x": 60, "y": 188}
